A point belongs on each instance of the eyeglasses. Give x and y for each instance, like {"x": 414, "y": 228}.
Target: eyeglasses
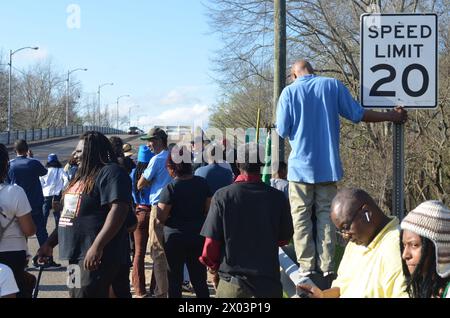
{"x": 344, "y": 232}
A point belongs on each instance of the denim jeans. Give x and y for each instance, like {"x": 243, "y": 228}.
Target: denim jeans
{"x": 48, "y": 206}
{"x": 39, "y": 222}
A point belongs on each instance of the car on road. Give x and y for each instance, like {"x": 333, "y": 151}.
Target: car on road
{"x": 134, "y": 131}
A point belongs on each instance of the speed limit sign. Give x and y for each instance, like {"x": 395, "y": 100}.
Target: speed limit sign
{"x": 399, "y": 60}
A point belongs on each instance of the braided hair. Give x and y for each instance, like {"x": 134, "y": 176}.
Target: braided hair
{"x": 97, "y": 152}
{"x": 424, "y": 282}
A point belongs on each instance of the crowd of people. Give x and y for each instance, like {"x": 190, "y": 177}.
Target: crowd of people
{"x": 218, "y": 217}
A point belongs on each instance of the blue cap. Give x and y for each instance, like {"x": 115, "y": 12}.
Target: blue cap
{"x": 145, "y": 154}
{"x": 52, "y": 158}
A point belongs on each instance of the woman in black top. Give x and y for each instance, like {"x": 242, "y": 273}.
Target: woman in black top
{"x": 91, "y": 232}
{"x": 182, "y": 208}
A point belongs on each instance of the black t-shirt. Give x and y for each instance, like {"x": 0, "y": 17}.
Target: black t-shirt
{"x": 84, "y": 215}
{"x": 187, "y": 198}
{"x": 250, "y": 219}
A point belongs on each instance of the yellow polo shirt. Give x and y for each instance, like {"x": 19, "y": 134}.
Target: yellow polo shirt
{"x": 374, "y": 271}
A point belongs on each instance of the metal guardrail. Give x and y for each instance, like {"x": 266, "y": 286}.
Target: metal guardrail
{"x": 9, "y": 137}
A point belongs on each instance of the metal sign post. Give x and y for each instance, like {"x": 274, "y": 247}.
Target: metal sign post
{"x": 399, "y": 66}
{"x": 399, "y": 171}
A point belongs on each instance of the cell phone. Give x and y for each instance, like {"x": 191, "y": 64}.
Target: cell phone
{"x": 301, "y": 293}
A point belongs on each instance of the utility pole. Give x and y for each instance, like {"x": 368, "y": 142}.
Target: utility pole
{"x": 280, "y": 62}
{"x": 11, "y": 53}
{"x": 68, "y": 92}
{"x": 99, "y": 100}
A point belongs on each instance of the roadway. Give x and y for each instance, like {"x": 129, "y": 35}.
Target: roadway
{"x": 53, "y": 282}
{"x": 64, "y": 148}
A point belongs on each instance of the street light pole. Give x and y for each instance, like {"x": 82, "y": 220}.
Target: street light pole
{"x": 117, "y": 113}
{"x": 99, "y": 99}
{"x": 68, "y": 91}
{"x": 11, "y": 53}
{"x": 9, "y": 93}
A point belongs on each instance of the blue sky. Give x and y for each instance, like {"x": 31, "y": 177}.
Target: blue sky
{"x": 157, "y": 51}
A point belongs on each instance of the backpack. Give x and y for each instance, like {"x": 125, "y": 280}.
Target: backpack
{"x": 3, "y": 229}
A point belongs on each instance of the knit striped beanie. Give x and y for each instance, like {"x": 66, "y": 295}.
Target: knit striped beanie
{"x": 431, "y": 219}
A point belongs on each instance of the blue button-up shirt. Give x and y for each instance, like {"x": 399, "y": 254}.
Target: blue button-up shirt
{"x": 157, "y": 174}
{"x": 308, "y": 114}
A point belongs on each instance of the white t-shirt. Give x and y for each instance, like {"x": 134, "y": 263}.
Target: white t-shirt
{"x": 13, "y": 203}
{"x": 8, "y": 284}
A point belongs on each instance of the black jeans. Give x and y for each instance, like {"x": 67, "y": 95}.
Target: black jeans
{"x": 48, "y": 206}
{"x": 180, "y": 249}
{"x": 17, "y": 261}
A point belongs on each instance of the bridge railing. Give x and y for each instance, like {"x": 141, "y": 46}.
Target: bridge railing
{"x": 9, "y": 137}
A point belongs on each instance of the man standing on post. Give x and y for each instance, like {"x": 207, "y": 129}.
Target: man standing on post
{"x": 25, "y": 172}
{"x": 157, "y": 177}
{"x": 308, "y": 114}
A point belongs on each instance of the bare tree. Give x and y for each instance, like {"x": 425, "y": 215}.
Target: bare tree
{"x": 326, "y": 32}
{"x": 39, "y": 97}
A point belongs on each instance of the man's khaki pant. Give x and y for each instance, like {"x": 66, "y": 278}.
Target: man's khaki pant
{"x": 158, "y": 256}
{"x": 302, "y": 198}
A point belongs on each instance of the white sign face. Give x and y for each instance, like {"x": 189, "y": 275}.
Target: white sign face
{"x": 399, "y": 60}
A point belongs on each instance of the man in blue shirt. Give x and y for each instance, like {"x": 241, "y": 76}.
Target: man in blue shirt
{"x": 308, "y": 114}
{"x": 157, "y": 177}
{"x": 216, "y": 175}
{"x": 25, "y": 172}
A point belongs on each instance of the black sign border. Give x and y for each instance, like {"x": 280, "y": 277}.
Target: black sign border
{"x": 363, "y": 16}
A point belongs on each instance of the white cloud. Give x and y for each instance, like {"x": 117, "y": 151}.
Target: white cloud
{"x": 197, "y": 115}
{"x": 186, "y": 105}
{"x": 180, "y": 96}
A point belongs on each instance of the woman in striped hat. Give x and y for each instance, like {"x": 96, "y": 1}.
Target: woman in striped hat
{"x": 426, "y": 250}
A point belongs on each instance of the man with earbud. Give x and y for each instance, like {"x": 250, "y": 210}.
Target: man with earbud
{"x": 371, "y": 266}
{"x": 309, "y": 114}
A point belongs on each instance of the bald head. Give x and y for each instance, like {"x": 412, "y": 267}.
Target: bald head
{"x": 347, "y": 201}
{"x": 301, "y": 68}
{"x": 355, "y": 213}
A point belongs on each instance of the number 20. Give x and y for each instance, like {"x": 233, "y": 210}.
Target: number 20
{"x": 392, "y": 74}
